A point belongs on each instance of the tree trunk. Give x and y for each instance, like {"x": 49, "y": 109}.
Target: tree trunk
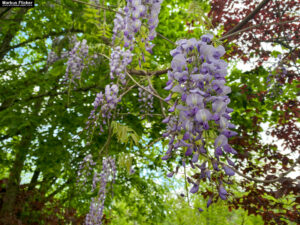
{"x": 12, "y": 188}
{"x": 7, "y": 213}
{"x": 34, "y": 179}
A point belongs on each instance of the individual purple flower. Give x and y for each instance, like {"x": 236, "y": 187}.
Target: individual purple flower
{"x": 219, "y": 151}
{"x": 189, "y": 151}
{"x": 219, "y": 52}
{"x": 230, "y": 162}
{"x": 172, "y": 109}
{"x": 166, "y": 157}
{"x": 207, "y": 38}
{"x": 166, "y": 120}
{"x": 215, "y": 165}
{"x": 219, "y": 106}
{"x": 178, "y": 62}
{"x": 228, "y": 170}
{"x": 209, "y": 202}
{"x": 208, "y": 173}
{"x": 168, "y": 98}
{"x": 220, "y": 141}
{"x": 203, "y": 115}
{"x": 194, "y": 189}
{"x": 170, "y": 174}
{"x": 195, "y": 157}
{"x": 222, "y": 192}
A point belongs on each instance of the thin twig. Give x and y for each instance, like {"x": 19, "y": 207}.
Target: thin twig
{"x": 125, "y": 92}
{"x": 266, "y": 181}
{"x": 186, "y": 186}
{"x": 163, "y": 37}
{"x": 149, "y": 73}
{"x": 153, "y": 142}
{"x": 255, "y": 26}
{"x": 160, "y": 101}
{"x": 98, "y": 6}
{"x": 145, "y": 89}
{"x": 145, "y": 114}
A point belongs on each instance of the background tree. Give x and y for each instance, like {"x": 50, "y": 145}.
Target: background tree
{"x": 43, "y": 116}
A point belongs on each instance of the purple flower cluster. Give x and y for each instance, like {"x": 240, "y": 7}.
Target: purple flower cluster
{"x": 136, "y": 11}
{"x": 76, "y": 61}
{"x": 152, "y": 18}
{"x": 119, "y": 60}
{"x": 53, "y": 57}
{"x": 119, "y": 25}
{"x": 146, "y": 99}
{"x": 275, "y": 82}
{"x": 85, "y": 169}
{"x": 104, "y": 104}
{"x": 200, "y": 122}
{"x": 127, "y": 24}
{"x": 94, "y": 217}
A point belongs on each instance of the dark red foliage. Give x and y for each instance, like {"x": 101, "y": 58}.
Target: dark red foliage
{"x": 246, "y": 45}
{"x": 229, "y": 13}
{"x": 34, "y": 208}
{"x": 274, "y": 163}
{"x": 287, "y": 129}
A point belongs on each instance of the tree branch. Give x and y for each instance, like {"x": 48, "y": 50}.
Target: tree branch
{"x": 12, "y": 31}
{"x": 267, "y": 181}
{"x": 50, "y": 93}
{"x": 150, "y": 73}
{"x": 249, "y": 17}
{"x": 254, "y": 26}
{"x": 39, "y": 38}
{"x": 34, "y": 179}
{"x": 12, "y": 67}
{"x": 59, "y": 189}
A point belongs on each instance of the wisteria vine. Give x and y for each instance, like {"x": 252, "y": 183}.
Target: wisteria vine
{"x": 125, "y": 28}
{"x": 199, "y": 126}
{"x": 76, "y": 61}
{"x": 94, "y": 217}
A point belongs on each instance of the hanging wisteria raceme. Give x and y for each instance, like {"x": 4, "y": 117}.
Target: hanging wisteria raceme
{"x": 127, "y": 24}
{"x": 119, "y": 60}
{"x": 85, "y": 169}
{"x": 275, "y": 81}
{"x": 128, "y": 21}
{"x": 125, "y": 28}
{"x": 104, "y": 105}
{"x": 199, "y": 125}
{"x": 76, "y": 61}
{"x": 53, "y": 57}
{"x": 146, "y": 99}
{"x": 152, "y": 19}
{"x": 100, "y": 180}
{"x": 119, "y": 25}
